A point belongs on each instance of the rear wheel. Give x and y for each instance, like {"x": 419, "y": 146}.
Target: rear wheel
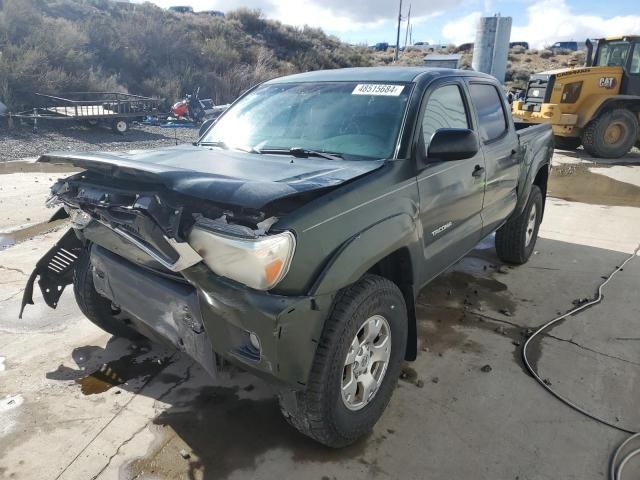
{"x": 516, "y": 239}
{"x": 612, "y": 134}
{"x": 356, "y": 367}
{"x": 94, "y": 306}
{"x": 566, "y": 143}
{"x": 120, "y": 125}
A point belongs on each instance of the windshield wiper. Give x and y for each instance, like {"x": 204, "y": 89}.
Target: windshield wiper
{"x": 226, "y": 146}
{"x": 305, "y": 152}
{"x": 300, "y": 152}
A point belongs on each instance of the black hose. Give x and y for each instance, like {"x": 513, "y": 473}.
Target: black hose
{"x": 615, "y": 470}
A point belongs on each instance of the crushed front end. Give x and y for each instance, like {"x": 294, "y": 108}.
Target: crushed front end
{"x": 186, "y": 271}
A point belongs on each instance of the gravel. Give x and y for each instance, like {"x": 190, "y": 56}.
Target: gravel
{"x": 20, "y": 142}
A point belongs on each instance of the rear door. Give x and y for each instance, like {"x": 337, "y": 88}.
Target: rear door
{"x": 499, "y": 142}
{"x": 631, "y": 81}
{"x": 450, "y": 192}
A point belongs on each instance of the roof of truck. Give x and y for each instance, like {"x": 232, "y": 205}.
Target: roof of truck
{"x": 375, "y": 74}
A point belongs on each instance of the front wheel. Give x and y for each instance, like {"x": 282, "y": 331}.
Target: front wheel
{"x": 356, "y": 367}
{"x": 612, "y": 134}
{"x": 516, "y": 239}
{"x": 566, "y": 143}
{"x": 95, "y": 307}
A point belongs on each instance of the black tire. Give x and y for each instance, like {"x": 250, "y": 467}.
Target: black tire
{"x": 319, "y": 411}
{"x": 94, "y": 306}
{"x": 511, "y": 238}
{"x": 120, "y": 125}
{"x": 566, "y": 143}
{"x": 599, "y": 143}
{"x": 205, "y": 126}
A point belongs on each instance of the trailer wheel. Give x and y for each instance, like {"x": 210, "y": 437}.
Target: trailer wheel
{"x": 356, "y": 367}
{"x": 566, "y": 143}
{"x": 120, "y": 125}
{"x": 611, "y": 135}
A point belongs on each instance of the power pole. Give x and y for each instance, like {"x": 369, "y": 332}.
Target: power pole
{"x": 398, "y": 35}
{"x": 406, "y": 33}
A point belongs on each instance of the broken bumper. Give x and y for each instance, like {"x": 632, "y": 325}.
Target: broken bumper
{"x": 270, "y": 335}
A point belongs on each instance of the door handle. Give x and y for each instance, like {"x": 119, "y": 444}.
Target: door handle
{"x": 477, "y": 171}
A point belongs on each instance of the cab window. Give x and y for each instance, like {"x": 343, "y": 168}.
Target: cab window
{"x": 492, "y": 121}
{"x": 613, "y": 54}
{"x": 445, "y": 109}
{"x": 635, "y": 59}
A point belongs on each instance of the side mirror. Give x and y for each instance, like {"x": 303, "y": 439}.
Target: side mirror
{"x": 452, "y": 144}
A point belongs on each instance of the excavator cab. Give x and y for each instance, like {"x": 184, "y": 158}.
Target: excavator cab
{"x": 596, "y": 106}
{"x": 623, "y": 53}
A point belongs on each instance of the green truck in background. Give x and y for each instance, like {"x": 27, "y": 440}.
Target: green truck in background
{"x": 293, "y": 237}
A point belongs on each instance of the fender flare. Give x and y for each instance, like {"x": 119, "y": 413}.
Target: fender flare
{"x": 606, "y": 103}
{"x": 363, "y": 250}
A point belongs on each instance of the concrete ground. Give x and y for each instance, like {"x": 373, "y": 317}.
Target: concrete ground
{"x": 78, "y": 404}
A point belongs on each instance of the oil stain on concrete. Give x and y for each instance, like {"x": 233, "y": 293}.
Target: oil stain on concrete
{"x": 112, "y": 373}
{"x": 18, "y": 236}
{"x": 7, "y": 168}
{"x": 445, "y": 306}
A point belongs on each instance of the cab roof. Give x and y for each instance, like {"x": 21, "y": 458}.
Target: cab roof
{"x": 376, "y": 74}
{"x": 624, "y": 37}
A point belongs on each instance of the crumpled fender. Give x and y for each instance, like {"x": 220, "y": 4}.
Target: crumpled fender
{"x": 363, "y": 250}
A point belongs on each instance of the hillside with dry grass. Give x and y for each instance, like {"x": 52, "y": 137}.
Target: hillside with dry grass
{"x": 521, "y": 63}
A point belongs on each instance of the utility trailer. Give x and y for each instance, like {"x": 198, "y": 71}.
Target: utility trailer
{"x": 111, "y": 108}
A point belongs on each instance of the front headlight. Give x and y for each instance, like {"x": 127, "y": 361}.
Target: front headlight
{"x": 258, "y": 263}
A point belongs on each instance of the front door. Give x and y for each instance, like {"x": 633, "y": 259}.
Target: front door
{"x": 451, "y": 192}
{"x": 631, "y": 78}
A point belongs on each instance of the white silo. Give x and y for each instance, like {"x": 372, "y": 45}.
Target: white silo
{"x": 491, "y": 48}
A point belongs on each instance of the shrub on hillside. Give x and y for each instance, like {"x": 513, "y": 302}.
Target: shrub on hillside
{"x": 546, "y": 54}
{"x": 54, "y": 46}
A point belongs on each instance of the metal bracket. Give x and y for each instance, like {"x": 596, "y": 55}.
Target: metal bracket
{"x": 55, "y": 270}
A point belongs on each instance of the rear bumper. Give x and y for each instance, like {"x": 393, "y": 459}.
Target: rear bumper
{"x": 208, "y": 314}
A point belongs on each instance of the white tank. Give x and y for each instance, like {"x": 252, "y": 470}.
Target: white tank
{"x": 491, "y": 47}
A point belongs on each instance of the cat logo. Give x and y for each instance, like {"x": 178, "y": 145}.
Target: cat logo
{"x": 607, "y": 82}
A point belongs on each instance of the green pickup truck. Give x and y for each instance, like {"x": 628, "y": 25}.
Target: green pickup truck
{"x": 293, "y": 237}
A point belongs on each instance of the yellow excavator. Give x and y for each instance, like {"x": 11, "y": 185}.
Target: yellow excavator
{"x": 596, "y": 106}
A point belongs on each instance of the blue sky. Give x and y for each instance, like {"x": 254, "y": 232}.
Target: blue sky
{"x": 540, "y": 22}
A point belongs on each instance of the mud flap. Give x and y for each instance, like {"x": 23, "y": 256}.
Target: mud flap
{"x": 55, "y": 270}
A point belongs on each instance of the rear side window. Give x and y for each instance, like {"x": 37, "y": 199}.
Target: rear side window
{"x": 491, "y": 117}
{"x": 635, "y": 59}
{"x": 445, "y": 109}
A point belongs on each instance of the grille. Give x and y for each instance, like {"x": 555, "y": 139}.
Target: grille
{"x": 61, "y": 261}
{"x": 538, "y": 92}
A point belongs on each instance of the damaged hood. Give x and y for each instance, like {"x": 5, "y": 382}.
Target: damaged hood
{"x": 244, "y": 179}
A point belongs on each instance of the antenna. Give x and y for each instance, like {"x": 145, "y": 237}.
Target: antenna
{"x": 395, "y": 56}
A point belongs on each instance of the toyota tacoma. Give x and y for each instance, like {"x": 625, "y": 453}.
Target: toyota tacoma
{"x": 293, "y": 237}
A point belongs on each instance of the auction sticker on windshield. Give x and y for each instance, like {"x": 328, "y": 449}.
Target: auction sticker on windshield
{"x": 377, "y": 89}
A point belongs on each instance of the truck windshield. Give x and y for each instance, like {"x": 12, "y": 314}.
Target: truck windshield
{"x": 613, "y": 54}
{"x": 356, "y": 121}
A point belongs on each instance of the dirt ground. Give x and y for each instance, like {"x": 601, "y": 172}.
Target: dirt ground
{"x": 78, "y": 404}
